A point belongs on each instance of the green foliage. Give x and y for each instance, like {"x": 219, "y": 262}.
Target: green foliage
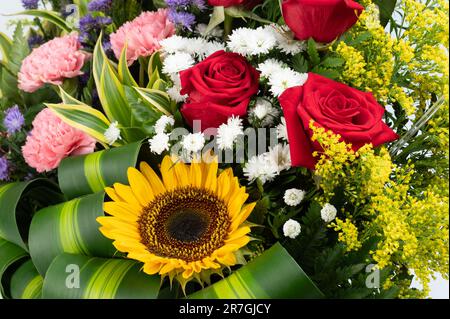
{"x": 125, "y": 10}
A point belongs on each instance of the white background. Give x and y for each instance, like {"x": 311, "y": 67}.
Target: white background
{"x": 439, "y": 287}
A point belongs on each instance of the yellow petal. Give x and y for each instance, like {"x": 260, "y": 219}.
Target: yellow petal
{"x": 239, "y": 242}
{"x": 223, "y": 184}
{"x": 195, "y": 174}
{"x": 126, "y": 193}
{"x": 188, "y": 273}
{"x": 121, "y": 210}
{"x": 235, "y": 205}
{"x": 242, "y": 231}
{"x": 211, "y": 177}
{"x": 115, "y": 223}
{"x": 228, "y": 260}
{"x": 182, "y": 173}
{"x": 140, "y": 186}
{"x": 113, "y": 195}
{"x": 152, "y": 268}
{"x": 246, "y": 211}
{"x": 168, "y": 173}
{"x": 154, "y": 180}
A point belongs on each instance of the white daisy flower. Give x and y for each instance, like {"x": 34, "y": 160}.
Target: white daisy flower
{"x": 263, "y": 113}
{"x": 229, "y": 132}
{"x": 112, "y": 133}
{"x": 282, "y": 130}
{"x": 261, "y": 41}
{"x": 258, "y": 167}
{"x": 174, "y": 93}
{"x": 210, "y": 48}
{"x": 179, "y": 61}
{"x": 193, "y": 142}
{"x": 162, "y": 123}
{"x": 196, "y": 46}
{"x": 285, "y": 79}
{"x": 293, "y": 196}
{"x": 280, "y": 156}
{"x": 269, "y": 67}
{"x": 159, "y": 143}
{"x": 238, "y": 41}
{"x": 291, "y": 229}
{"x": 174, "y": 44}
{"x": 328, "y": 213}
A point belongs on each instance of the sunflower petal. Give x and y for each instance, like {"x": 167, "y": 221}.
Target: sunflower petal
{"x": 168, "y": 173}
{"x": 113, "y": 195}
{"x": 140, "y": 186}
{"x": 242, "y": 231}
{"x": 126, "y": 193}
{"x": 154, "y": 180}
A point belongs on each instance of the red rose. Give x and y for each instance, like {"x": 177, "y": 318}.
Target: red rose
{"x": 230, "y": 3}
{"x": 353, "y": 114}
{"x": 218, "y": 87}
{"x": 322, "y": 20}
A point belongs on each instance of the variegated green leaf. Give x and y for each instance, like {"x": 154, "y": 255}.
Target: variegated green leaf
{"x": 124, "y": 72}
{"x": 159, "y": 100}
{"x": 48, "y": 15}
{"x": 26, "y": 283}
{"x": 10, "y": 254}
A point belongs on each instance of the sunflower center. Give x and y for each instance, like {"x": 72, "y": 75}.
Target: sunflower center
{"x": 187, "y": 223}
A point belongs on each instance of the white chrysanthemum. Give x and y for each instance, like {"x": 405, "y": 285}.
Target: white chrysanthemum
{"x": 210, "y": 48}
{"x": 112, "y": 133}
{"x": 259, "y": 167}
{"x": 195, "y": 46}
{"x": 162, "y": 123}
{"x": 174, "y": 44}
{"x": 193, "y": 142}
{"x": 261, "y": 41}
{"x": 291, "y": 229}
{"x": 159, "y": 143}
{"x": 285, "y": 79}
{"x": 263, "y": 113}
{"x": 174, "y": 93}
{"x": 201, "y": 29}
{"x": 282, "y": 130}
{"x": 285, "y": 39}
{"x": 269, "y": 67}
{"x": 328, "y": 213}
{"x": 229, "y": 132}
{"x": 239, "y": 42}
{"x": 280, "y": 155}
{"x": 293, "y": 196}
{"x": 179, "y": 61}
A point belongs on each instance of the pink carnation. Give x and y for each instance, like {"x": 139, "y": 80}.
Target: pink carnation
{"x": 142, "y": 35}
{"x": 52, "y": 140}
{"x": 52, "y": 62}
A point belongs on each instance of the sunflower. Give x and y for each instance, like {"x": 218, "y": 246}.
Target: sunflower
{"x": 184, "y": 225}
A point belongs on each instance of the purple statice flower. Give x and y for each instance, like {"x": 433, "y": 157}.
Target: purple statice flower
{"x": 13, "y": 120}
{"x": 4, "y": 169}
{"x": 100, "y": 5}
{"x": 183, "y": 19}
{"x": 35, "y": 40}
{"x": 178, "y": 3}
{"x": 30, "y": 4}
{"x": 89, "y": 24}
{"x": 199, "y": 4}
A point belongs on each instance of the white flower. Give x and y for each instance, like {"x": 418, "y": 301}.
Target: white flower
{"x": 285, "y": 40}
{"x": 210, "y": 48}
{"x": 291, "y": 229}
{"x": 280, "y": 155}
{"x": 162, "y": 123}
{"x": 282, "y": 130}
{"x": 328, "y": 213}
{"x": 263, "y": 113}
{"x": 260, "y": 167}
{"x": 201, "y": 29}
{"x": 179, "y": 61}
{"x": 229, "y": 132}
{"x": 195, "y": 46}
{"x": 174, "y": 44}
{"x": 238, "y": 41}
{"x": 269, "y": 67}
{"x": 293, "y": 196}
{"x": 285, "y": 79}
{"x": 174, "y": 93}
{"x": 159, "y": 143}
{"x": 261, "y": 41}
{"x": 112, "y": 133}
{"x": 193, "y": 142}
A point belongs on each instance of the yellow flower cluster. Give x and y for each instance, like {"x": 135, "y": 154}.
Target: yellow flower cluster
{"x": 354, "y": 66}
{"x": 348, "y": 233}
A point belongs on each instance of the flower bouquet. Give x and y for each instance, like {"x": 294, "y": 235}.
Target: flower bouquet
{"x": 224, "y": 149}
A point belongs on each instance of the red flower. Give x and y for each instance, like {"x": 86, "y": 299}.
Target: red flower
{"x": 322, "y": 20}
{"x": 229, "y": 3}
{"x": 353, "y": 114}
{"x": 218, "y": 87}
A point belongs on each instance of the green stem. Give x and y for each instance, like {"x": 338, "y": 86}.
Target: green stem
{"x": 39, "y": 24}
{"x": 141, "y": 72}
{"x": 227, "y": 26}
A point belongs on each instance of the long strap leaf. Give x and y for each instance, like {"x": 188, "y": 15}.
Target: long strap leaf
{"x": 273, "y": 275}
{"x": 69, "y": 227}
{"x": 81, "y": 277}
{"x": 15, "y": 207}
{"x": 48, "y": 15}
{"x": 9, "y": 255}
{"x": 26, "y": 283}
{"x": 81, "y": 175}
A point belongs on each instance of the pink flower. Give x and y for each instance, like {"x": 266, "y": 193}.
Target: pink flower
{"x": 52, "y": 140}
{"x": 52, "y": 62}
{"x": 142, "y": 35}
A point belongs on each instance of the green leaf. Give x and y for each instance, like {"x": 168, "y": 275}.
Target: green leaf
{"x": 98, "y": 279}
{"x": 82, "y": 6}
{"x": 387, "y": 8}
{"x": 332, "y": 62}
{"x": 19, "y": 50}
{"x": 217, "y": 17}
{"x": 154, "y": 64}
{"x": 91, "y": 173}
{"x": 159, "y": 100}
{"x": 329, "y": 73}
{"x": 70, "y": 227}
{"x": 241, "y": 12}
{"x": 26, "y": 283}
{"x": 299, "y": 63}
{"x": 48, "y": 15}
{"x": 10, "y": 254}
{"x": 257, "y": 280}
{"x": 5, "y": 46}
{"x": 17, "y": 201}
{"x": 313, "y": 53}
{"x": 142, "y": 111}
{"x": 124, "y": 72}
